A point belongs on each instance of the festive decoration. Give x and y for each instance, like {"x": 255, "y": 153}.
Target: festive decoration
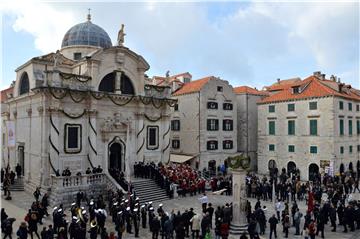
{"x": 53, "y": 146}
{"x": 142, "y": 145}
{"x": 137, "y": 135}
{"x": 75, "y": 100}
{"x": 80, "y": 78}
{"x": 53, "y": 125}
{"x": 91, "y": 146}
{"x": 146, "y": 100}
{"x": 51, "y": 165}
{"x": 166, "y": 147}
{"x": 152, "y": 120}
{"x": 167, "y": 131}
{"x": 92, "y": 127}
{"x": 88, "y": 157}
{"x": 127, "y": 102}
{"x": 74, "y": 116}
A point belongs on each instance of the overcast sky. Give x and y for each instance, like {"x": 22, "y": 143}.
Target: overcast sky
{"x": 246, "y": 43}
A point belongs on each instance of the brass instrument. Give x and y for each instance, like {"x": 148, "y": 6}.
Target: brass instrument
{"x": 79, "y": 214}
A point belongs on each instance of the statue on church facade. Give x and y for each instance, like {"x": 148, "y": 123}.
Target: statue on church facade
{"x": 121, "y": 36}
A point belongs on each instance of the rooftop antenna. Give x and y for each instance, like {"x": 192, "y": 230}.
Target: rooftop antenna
{"x": 89, "y": 15}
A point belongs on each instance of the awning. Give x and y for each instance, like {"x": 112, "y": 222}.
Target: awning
{"x": 179, "y": 158}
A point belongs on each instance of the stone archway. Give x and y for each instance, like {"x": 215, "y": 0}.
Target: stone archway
{"x": 116, "y": 156}
{"x": 342, "y": 168}
{"x": 313, "y": 171}
{"x": 291, "y": 167}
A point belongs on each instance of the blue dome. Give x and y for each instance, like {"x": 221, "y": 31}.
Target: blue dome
{"x": 87, "y": 34}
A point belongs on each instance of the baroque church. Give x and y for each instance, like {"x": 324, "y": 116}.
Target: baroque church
{"x": 86, "y": 105}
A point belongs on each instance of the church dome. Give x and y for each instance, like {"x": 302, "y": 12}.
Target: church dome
{"x": 87, "y": 34}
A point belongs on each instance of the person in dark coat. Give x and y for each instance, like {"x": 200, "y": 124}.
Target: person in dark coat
{"x": 18, "y": 170}
{"x": 143, "y": 216}
{"x": 205, "y": 224}
{"x": 7, "y": 227}
{"x": 273, "y": 221}
{"x": 155, "y": 227}
{"x": 93, "y": 230}
{"x": 32, "y": 224}
{"x": 210, "y": 210}
{"x": 332, "y": 215}
{"x": 22, "y": 232}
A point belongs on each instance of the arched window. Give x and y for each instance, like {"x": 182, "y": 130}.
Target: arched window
{"x": 107, "y": 84}
{"x": 24, "y": 84}
{"x": 126, "y": 85}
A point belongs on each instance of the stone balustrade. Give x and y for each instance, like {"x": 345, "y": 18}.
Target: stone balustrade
{"x": 76, "y": 181}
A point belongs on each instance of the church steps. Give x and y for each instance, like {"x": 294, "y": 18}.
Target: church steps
{"x": 147, "y": 190}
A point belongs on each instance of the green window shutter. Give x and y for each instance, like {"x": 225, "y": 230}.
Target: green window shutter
{"x": 313, "y": 127}
{"x": 341, "y": 127}
{"x": 291, "y": 107}
{"x": 350, "y": 127}
{"x": 312, "y": 105}
{"x": 341, "y": 105}
{"x": 271, "y": 147}
{"x": 341, "y": 149}
{"x": 313, "y": 149}
{"x": 291, "y": 127}
{"x": 271, "y": 108}
{"x": 350, "y": 149}
{"x": 358, "y": 127}
{"x": 350, "y": 106}
{"x": 291, "y": 148}
{"x": 271, "y": 127}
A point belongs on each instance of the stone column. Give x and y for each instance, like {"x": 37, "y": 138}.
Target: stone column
{"x": 239, "y": 197}
{"x": 118, "y": 82}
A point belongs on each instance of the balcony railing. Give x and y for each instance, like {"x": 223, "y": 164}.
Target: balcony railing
{"x": 75, "y": 181}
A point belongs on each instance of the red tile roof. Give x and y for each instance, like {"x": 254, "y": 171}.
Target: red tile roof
{"x": 192, "y": 86}
{"x": 249, "y": 90}
{"x": 312, "y": 87}
{"x": 283, "y": 84}
{"x": 4, "y": 93}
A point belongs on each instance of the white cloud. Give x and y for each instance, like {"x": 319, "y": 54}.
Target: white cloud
{"x": 47, "y": 24}
{"x": 254, "y": 45}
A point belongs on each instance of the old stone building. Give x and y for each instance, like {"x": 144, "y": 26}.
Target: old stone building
{"x": 311, "y": 124}
{"x": 86, "y": 105}
{"x": 203, "y": 124}
{"x": 247, "y": 120}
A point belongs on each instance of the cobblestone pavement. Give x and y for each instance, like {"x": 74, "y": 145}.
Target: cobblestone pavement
{"x": 21, "y": 201}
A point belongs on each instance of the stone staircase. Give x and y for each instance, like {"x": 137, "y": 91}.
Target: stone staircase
{"x": 17, "y": 186}
{"x": 147, "y": 190}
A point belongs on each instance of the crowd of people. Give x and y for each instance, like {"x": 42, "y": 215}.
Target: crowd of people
{"x": 188, "y": 181}
{"x": 328, "y": 200}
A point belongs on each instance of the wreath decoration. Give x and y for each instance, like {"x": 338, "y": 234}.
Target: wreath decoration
{"x": 239, "y": 161}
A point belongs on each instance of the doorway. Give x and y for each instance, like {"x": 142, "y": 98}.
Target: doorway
{"x": 115, "y": 158}
{"x": 313, "y": 171}
{"x": 21, "y": 157}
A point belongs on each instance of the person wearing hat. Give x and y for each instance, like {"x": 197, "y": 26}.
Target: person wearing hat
{"x": 93, "y": 230}
{"x": 100, "y": 218}
{"x": 73, "y": 228}
{"x": 143, "y": 216}
{"x": 136, "y": 221}
{"x": 128, "y": 217}
{"x": 120, "y": 224}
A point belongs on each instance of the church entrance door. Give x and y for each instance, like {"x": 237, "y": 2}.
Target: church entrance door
{"x": 115, "y": 161}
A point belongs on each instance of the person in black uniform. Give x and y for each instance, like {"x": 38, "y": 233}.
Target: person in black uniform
{"x": 136, "y": 222}
{"x": 143, "y": 216}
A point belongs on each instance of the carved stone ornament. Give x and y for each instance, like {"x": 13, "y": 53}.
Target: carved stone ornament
{"x": 40, "y": 109}
{"x": 29, "y": 111}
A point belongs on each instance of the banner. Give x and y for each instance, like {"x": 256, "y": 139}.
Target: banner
{"x": 10, "y": 126}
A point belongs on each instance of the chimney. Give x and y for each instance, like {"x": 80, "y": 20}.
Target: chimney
{"x": 338, "y": 80}
{"x": 333, "y": 78}
{"x": 322, "y": 76}
{"x": 278, "y": 80}
{"x": 317, "y": 73}
{"x": 341, "y": 85}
